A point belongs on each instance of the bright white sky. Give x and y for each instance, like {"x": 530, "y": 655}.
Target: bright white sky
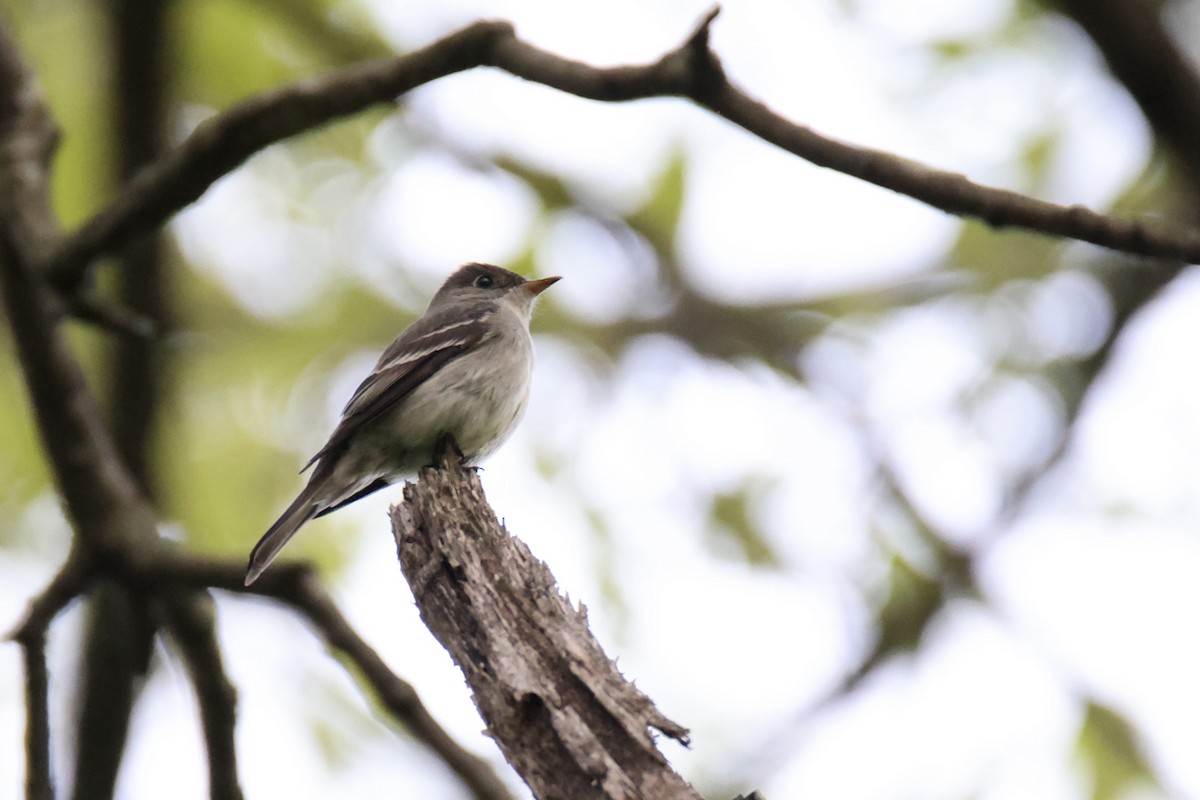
{"x": 1084, "y": 597}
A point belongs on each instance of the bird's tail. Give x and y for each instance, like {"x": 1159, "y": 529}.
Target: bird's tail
{"x": 302, "y": 509}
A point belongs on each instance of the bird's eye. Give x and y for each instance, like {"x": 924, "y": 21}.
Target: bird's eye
{"x": 484, "y": 281}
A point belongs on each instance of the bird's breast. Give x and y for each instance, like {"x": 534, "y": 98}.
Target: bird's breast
{"x": 478, "y": 398}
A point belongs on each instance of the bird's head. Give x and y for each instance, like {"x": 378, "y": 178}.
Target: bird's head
{"x": 474, "y": 282}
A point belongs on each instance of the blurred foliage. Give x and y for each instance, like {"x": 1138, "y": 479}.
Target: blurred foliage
{"x": 913, "y": 597}
{"x": 225, "y": 359}
{"x": 229, "y": 49}
{"x": 734, "y": 523}
{"x": 1112, "y": 754}
{"x": 554, "y": 193}
{"x": 994, "y": 261}
{"x": 66, "y": 44}
{"x": 608, "y": 572}
{"x": 251, "y": 393}
{"x": 341, "y": 726}
{"x": 658, "y": 218}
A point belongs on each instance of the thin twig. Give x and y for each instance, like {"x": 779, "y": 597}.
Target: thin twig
{"x": 39, "y": 784}
{"x": 192, "y": 626}
{"x": 64, "y": 588}
{"x": 111, "y": 316}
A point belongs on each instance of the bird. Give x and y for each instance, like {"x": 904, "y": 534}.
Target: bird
{"x": 463, "y": 369}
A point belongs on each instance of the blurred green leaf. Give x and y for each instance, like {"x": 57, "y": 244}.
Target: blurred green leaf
{"x": 1113, "y": 754}
{"x": 554, "y": 193}
{"x": 229, "y": 49}
{"x": 344, "y": 140}
{"x": 732, "y": 514}
{"x": 993, "y": 258}
{"x": 341, "y": 31}
{"x": 913, "y": 598}
{"x": 1158, "y": 190}
{"x": 1038, "y": 156}
{"x": 887, "y": 298}
{"x": 65, "y": 43}
{"x": 953, "y": 50}
{"x": 608, "y": 571}
{"x": 339, "y": 726}
{"x": 658, "y": 219}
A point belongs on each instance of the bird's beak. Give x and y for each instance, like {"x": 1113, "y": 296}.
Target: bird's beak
{"x": 534, "y": 288}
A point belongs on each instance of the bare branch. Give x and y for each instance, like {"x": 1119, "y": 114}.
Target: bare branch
{"x": 297, "y": 586}
{"x": 565, "y": 718}
{"x": 65, "y": 587}
{"x": 112, "y": 672}
{"x": 111, "y": 316}
{"x": 100, "y": 496}
{"x": 954, "y": 193}
{"x": 110, "y": 516}
{"x": 396, "y": 694}
{"x": 221, "y": 144}
{"x": 28, "y": 137}
{"x": 192, "y": 626}
{"x": 1147, "y": 59}
{"x": 692, "y": 71}
{"x": 608, "y": 725}
{"x": 39, "y": 784}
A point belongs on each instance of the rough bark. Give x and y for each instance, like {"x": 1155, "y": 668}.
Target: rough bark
{"x": 563, "y": 715}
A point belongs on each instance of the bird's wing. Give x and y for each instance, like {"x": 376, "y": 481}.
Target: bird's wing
{"x": 416, "y": 355}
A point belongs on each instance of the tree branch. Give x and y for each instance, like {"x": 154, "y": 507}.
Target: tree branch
{"x": 141, "y": 55}
{"x": 121, "y": 629}
{"x": 65, "y": 587}
{"x": 192, "y": 626}
{"x": 113, "y": 669}
{"x": 397, "y": 695}
{"x": 297, "y": 586}
{"x": 110, "y": 316}
{"x": 31, "y": 635}
{"x": 692, "y": 71}
{"x": 563, "y": 715}
{"x": 101, "y": 498}
{"x": 593, "y": 719}
{"x": 219, "y": 145}
{"x": 39, "y": 784}
{"x": 1146, "y": 58}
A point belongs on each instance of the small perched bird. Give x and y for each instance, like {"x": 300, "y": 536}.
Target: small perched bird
{"x": 461, "y": 369}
